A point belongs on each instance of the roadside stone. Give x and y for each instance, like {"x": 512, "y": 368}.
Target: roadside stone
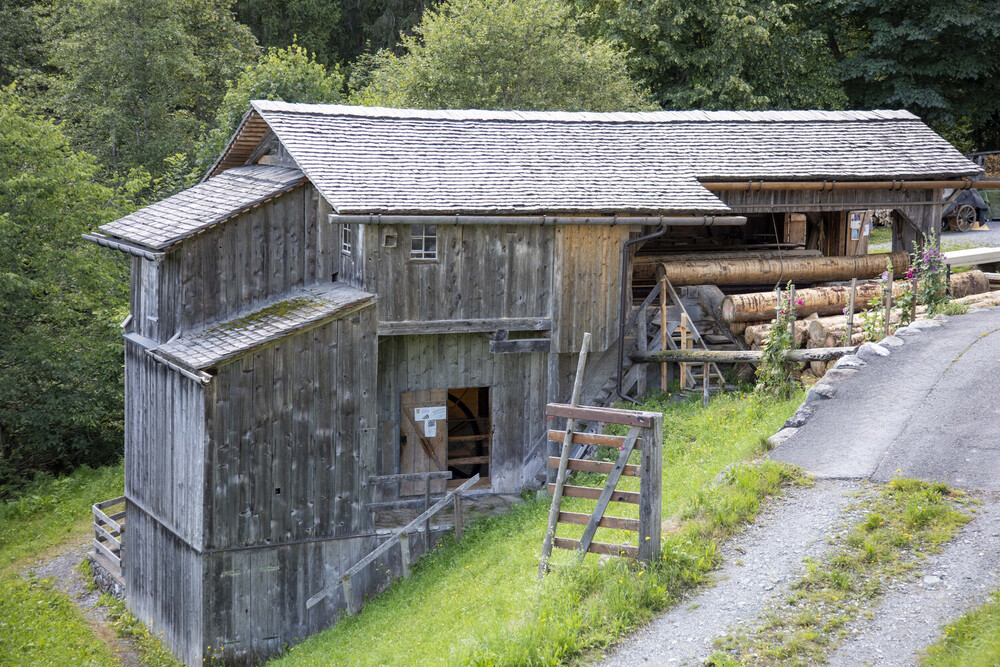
{"x": 782, "y": 435}
{"x": 838, "y": 374}
{"x": 930, "y": 580}
{"x": 801, "y": 416}
{"x": 906, "y": 331}
{"x": 850, "y": 361}
{"x": 824, "y": 390}
{"x": 869, "y": 351}
{"x": 924, "y": 324}
{"x": 891, "y": 341}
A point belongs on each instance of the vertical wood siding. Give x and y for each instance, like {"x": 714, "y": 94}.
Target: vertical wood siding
{"x": 230, "y": 269}
{"x": 482, "y": 272}
{"x": 517, "y": 382}
{"x": 285, "y": 437}
{"x": 587, "y": 286}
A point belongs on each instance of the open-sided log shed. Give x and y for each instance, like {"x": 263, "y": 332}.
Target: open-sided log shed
{"x": 355, "y": 292}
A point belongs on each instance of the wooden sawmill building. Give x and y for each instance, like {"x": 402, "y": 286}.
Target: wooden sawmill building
{"x": 357, "y": 291}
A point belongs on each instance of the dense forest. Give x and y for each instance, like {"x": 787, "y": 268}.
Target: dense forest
{"x": 107, "y": 105}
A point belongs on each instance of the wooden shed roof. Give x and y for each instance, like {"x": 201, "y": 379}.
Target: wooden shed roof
{"x": 306, "y": 308}
{"x": 368, "y": 160}
{"x": 166, "y": 222}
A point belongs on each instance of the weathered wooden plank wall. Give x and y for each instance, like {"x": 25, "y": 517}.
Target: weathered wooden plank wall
{"x": 285, "y": 438}
{"x": 586, "y": 286}
{"x": 517, "y": 382}
{"x": 482, "y": 272}
{"x": 165, "y": 444}
{"x": 230, "y": 269}
{"x": 163, "y": 579}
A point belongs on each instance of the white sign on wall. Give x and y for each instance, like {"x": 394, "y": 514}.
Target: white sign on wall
{"x": 430, "y": 416}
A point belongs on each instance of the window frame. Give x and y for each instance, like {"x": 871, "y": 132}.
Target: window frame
{"x": 346, "y": 240}
{"x": 421, "y": 233}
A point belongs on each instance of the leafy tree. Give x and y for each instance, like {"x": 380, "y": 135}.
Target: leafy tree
{"x": 290, "y": 74}
{"x": 723, "y": 54}
{"x": 336, "y": 31}
{"x": 60, "y": 300}
{"x": 502, "y": 54}
{"x": 937, "y": 59}
{"x": 313, "y": 24}
{"x": 20, "y": 40}
{"x": 141, "y": 77}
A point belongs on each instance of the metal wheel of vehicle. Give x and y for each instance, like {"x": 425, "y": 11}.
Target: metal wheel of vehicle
{"x": 965, "y": 217}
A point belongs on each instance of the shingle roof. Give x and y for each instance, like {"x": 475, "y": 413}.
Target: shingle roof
{"x": 210, "y": 347}
{"x": 375, "y": 160}
{"x": 164, "y": 223}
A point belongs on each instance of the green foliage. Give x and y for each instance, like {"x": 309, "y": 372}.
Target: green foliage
{"x": 312, "y": 24}
{"x": 49, "y": 512}
{"x": 20, "y": 40}
{"x": 148, "y": 645}
{"x": 60, "y": 300}
{"x": 974, "y": 639}
{"x": 724, "y": 54}
{"x": 501, "y": 54}
{"x": 937, "y": 59}
{"x": 38, "y": 624}
{"x": 290, "y": 74}
{"x": 774, "y": 372}
{"x": 478, "y": 601}
{"x": 139, "y": 79}
{"x": 873, "y": 318}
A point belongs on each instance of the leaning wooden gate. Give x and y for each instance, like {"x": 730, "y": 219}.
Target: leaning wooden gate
{"x": 646, "y": 436}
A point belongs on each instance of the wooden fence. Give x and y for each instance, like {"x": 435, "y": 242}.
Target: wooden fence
{"x": 400, "y": 537}
{"x": 109, "y": 526}
{"x": 646, "y": 436}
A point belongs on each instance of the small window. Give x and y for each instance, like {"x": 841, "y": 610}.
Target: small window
{"x": 423, "y": 242}
{"x": 346, "y": 238}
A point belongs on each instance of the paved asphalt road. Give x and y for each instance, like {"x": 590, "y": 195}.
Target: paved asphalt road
{"x": 930, "y": 411}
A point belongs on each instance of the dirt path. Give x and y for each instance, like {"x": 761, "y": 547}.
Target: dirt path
{"x": 62, "y": 572}
{"x": 760, "y": 563}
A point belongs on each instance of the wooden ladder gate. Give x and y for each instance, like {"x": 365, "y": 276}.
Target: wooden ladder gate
{"x": 646, "y": 435}
{"x": 108, "y": 529}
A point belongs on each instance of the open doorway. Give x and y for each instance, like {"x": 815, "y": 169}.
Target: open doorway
{"x": 445, "y": 429}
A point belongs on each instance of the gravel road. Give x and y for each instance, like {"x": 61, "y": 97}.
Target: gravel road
{"x": 759, "y": 565}
{"x": 929, "y": 410}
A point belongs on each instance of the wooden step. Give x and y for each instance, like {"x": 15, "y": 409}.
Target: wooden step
{"x": 591, "y": 493}
{"x": 614, "y": 522}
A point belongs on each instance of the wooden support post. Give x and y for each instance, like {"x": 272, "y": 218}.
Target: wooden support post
{"x": 642, "y": 344}
{"x": 427, "y": 523}
{"x": 914, "y": 285}
{"x": 685, "y": 345}
{"x": 888, "y": 304}
{"x": 550, "y": 532}
{"x": 704, "y": 385}
{"x": 650, "y": 484}
{"x": 404, "y": 554}
{"x": 850, "y": 313}
{"x": 791, "y": 301}
{"x": 663, "y": 331}
{"x": 458, "y": 517}
{"x": 348, "y": 596}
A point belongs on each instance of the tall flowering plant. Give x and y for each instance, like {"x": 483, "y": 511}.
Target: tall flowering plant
{"x": 928, "y": 267}
{"x": 774, "y": 372}
{"x": 873, "y": 319}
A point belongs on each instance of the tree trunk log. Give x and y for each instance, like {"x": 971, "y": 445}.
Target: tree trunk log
{"x": 736, "y": 356}
{"x": 769, "y": 271}
{"x": 832, "y": 300}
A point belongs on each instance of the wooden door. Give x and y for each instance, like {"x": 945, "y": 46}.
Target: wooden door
{"x": 423, "y": 443}
{"x": 858, "y": 227}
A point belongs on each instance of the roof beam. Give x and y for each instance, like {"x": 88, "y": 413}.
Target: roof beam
{"x": 756, "y": 186}
{"x": 664, "y": 220}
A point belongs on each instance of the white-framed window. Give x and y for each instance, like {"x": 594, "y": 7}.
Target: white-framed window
{"x": 346, "y": 239}
{"x": 423, "y": 242}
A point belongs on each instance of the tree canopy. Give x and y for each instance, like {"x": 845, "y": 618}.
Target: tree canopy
{"x": 60, "y": 299}
{"x": 502, "y": 54}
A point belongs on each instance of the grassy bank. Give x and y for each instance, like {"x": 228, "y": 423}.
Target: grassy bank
{"x": 479, "y": 602}
{"x": 972, "y": 640}
{"x": 38, "y": 624}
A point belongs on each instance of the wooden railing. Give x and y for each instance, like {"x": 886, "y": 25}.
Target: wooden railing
{"x": 400, "y": 537}
{"x": 109, "y": 526}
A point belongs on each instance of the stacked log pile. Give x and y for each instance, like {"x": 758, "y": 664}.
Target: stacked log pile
{"x": 822, "y": 323}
